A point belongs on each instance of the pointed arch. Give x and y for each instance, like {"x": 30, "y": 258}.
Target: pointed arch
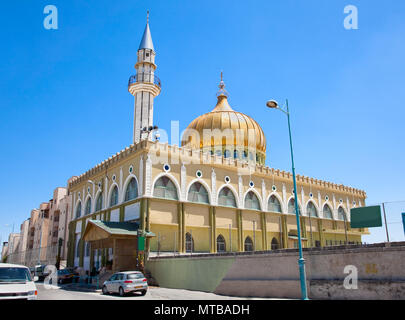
{"x": 172, "y": 179}
{"x": 274, "y": 203}
{"x": 99, "y": 201}
{"x": 165, "y": 188}
{"x": 342, "y": 214}
{"x": 87, "y": 206}
{"x": 252, "y": 200}
{"x": 248, "y": 244}
{"x": 113, "y": 195}
{"x": 131, "y": 189}
{"x": 197, "y": 192}
{"x": 78, "y": 209}
{"x": 221, "y": 244}
{"x": 189, "y": 242}
{"x": 134, "y": 186}
{"x": 327, "y": 212}
{"x": 274, "y": 244}
{"x": 312, "y": 209}
{"x": 227, "y": 196}
{"x": 291, "y": 206}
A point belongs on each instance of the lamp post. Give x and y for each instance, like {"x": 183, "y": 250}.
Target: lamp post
{"x": 301, "y": 261}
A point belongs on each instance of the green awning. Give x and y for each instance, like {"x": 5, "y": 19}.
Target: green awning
{"x": 99, "y": 230}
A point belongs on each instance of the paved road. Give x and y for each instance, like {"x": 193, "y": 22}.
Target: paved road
{"x": 67, "y": 292}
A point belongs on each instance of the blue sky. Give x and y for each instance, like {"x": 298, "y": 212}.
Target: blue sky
{"x": 65, "y": 105}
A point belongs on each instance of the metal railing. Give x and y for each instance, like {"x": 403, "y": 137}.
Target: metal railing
{"x": 145, "y": 78}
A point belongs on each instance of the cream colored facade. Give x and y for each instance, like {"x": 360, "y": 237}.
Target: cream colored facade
{"x": 212, "y": 194}
{"x": 172, "y": 219}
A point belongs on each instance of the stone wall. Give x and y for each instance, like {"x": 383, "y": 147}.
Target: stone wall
{"x": 380, "y": 268}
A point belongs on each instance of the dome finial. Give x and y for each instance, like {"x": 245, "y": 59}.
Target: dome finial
{"x": 221, "y": 86}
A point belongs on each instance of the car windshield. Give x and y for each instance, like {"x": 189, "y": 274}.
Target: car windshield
{"x": 14, "y": 275}
{"x": 135, "y": 276}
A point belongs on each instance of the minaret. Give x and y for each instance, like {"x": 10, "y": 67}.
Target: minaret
{"x": 144, "y": 85}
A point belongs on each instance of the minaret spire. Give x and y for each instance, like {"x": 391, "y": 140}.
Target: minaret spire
{"x": 144, "y": 86}
{"x": 146, "y": 42}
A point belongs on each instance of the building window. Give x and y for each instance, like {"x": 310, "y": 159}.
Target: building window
{"x": 165, "y": 188}
{"x": 274, "y": 205}
{"x": 79, "y": 209}
{"x": 327, "y": 212}
{"x": 87, "y": 249}
{"x": 114, "y": 197}
{"x": 132, "y": 190}
{"x": 227, "y": 153}
{"x": 226, "y": 198}
{"x": 198, "y": 193}
{"x": 221, "y": 245}
{"x": 291, "y": 207}
{"x": 235, "y": 154}
{"x": 341, "y": 214}
{"x": 311, "y": 210}
{"x": 248, "y": 244}
{"x": 88, "y": 207}
{"x": 189, "y": 243}
{"x": 99, "y": 202}
{"x": 251, "y": 201}
{"x": 274, "y": 244}
{"x": 78, "y": 249}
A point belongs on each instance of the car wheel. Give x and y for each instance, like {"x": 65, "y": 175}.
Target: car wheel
{"x": 143, "y": 292}
{"x": 122, "y": 293}
{"x": 105, "y": 291}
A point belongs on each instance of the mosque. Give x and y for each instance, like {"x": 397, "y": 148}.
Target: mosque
{"x": 213, "y": 194}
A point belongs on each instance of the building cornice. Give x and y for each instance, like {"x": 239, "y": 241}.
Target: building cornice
{"x": 186, "y": 155}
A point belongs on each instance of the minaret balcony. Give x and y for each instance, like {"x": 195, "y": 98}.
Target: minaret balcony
{"x": 149, "y": 78}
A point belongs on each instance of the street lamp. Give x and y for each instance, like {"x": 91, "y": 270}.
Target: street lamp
{"x": 301, "y": 261}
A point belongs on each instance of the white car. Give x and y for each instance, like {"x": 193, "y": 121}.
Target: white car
{"x": 16, "y": 282}
{"x": 125, "y": 282}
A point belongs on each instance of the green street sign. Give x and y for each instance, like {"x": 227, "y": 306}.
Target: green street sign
{"x": 141, "y": 243}
{"x": 365, "y": 217}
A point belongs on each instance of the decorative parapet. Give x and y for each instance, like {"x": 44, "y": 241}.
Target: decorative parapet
{"x": 187, "y": 155}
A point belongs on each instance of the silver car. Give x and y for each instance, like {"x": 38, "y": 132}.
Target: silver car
{"x": 126, "y": 282}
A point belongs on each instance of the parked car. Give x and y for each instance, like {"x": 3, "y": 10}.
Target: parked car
{"x": 39, "y": 271}
{"x": 16, "y": 282}
{"x": 126, "y": 282}
{"x": 65, "y": 276}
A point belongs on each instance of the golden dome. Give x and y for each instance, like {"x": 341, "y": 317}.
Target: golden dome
{"x": 233, "y": 133}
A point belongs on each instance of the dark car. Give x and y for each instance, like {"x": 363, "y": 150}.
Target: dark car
{"x": 65, "y": 276}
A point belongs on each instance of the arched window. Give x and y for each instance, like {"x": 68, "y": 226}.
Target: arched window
{"x": 218, "y": 153}
{"x": 114, "y": 197}
{"x": 274, "y": 205}
{"x": 245, "y": 155}
{"x": 274, "y": 244}
{"x": 87, "y": 249}
{"x": 341, "y": 214}
{"x": 165, "y": 188}
{"x": 311, "y": 210}
{"x": 291, "y": 207}
{"x": 99, "y": 202}
{"x": 327, "y": 212}
{"x": 87, "y": 209}
{"x": 251, "y": 201}
{"x": 132, "y": 190}
{"x": 221, "y": 245}
{"x": 248, "y": 244}
{"x": 235, "y": 154}
{"x": 79, "y": 209}
{"x": 226, "y": 198}
{"x": 198, "y": 193}
{"x": 227, "y": 153}
{"x": 189, "y": 243}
